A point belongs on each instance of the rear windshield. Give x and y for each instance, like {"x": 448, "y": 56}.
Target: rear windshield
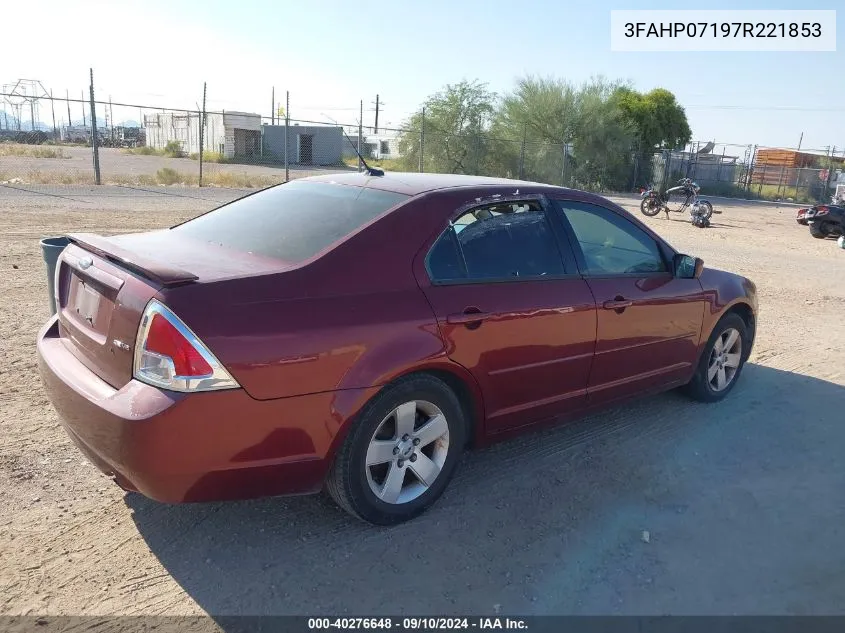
{"x": 291, "y": 222}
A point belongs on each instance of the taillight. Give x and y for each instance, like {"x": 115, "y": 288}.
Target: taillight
{"x": 169, "y": 355}
{"x": 822, "y": 210}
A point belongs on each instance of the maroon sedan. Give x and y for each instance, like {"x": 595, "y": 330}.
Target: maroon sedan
{"x": 356, "y": 333}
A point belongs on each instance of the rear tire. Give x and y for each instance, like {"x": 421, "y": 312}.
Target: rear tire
{"x": 649, "y": 207}
{"x": 818, "y": 230}
{"x": 721, "y": 361}
{"x": 400, "y": 453}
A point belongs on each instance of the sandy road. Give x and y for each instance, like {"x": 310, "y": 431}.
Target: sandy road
{"x": 743, "y": 500}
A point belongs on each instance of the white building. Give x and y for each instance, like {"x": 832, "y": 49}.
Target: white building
{"x": 378, "y": 146}
{"x": 232, "y": 134}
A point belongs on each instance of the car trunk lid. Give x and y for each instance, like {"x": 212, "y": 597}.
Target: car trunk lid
{"x": 105, "y": 283}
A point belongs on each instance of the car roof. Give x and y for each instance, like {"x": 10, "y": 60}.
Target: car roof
{"x": 413, "y": 184}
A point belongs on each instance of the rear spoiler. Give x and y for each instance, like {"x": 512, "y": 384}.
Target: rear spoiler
{"x": 158, "y": 271}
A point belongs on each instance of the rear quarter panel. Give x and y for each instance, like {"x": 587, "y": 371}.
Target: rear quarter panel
{"x": 352, "y": 318}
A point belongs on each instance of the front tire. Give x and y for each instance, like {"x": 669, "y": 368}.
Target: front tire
{"x": 401, "y": 452}
{"x": 708, "y": 209}
{"x": 721, "y": 361}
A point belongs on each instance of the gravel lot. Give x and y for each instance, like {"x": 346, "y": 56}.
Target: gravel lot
{"x": 743, "y": 502}
{"x": 118, "y": 166}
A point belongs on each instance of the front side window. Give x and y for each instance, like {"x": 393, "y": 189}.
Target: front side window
{"x": 506, "y": 240}
{"x": 611, "y": 244}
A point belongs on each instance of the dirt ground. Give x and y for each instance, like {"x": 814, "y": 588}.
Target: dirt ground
{"x": 116, "y": 165}
{"x": 663, "y": 506}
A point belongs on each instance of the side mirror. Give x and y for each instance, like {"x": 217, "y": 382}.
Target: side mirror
{"x": 688, "y": 267}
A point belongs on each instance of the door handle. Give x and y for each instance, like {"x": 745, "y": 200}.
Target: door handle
{"x": 619, "y": 304}
{"x": 467, "y": 317}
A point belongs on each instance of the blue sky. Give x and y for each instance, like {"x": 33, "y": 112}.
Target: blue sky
{"x": 331, "y": 54}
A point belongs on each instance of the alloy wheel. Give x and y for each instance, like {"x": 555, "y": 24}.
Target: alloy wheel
{"x": 407, "y": 452}
{"x": 725, "y": 359}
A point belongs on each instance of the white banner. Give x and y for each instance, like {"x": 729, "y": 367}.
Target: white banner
{"x": 723, "y": 30}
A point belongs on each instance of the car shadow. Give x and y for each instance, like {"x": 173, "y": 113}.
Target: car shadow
{"x": 558, "y": 521}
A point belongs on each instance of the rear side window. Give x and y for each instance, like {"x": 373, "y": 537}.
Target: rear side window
{"x": 511, "y": 240}
{"x": 292, "y": 222}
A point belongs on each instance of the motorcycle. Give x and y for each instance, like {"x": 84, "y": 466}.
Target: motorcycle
{"x": 653, "y": 202}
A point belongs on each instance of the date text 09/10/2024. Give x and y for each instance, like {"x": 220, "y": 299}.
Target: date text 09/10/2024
{"x": 416, "y": 624}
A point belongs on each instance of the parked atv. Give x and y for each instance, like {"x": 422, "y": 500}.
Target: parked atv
{"x": 826, "y": 220}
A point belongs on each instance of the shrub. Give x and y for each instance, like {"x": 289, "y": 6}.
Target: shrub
{"x": 208, "y": 157}
{"x": 168, "y": 176}
{"x": 173, "y": 149}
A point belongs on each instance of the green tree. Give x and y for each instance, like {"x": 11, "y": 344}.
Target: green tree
{"x": 658, "y": 119}
{"x": 659, "y": 122}
{"x": 544, "y": 116}
{"x": 455, "y": 123}
{"x": 531, "y": 128}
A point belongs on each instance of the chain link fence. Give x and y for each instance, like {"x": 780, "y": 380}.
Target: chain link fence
{"x": 754, "y": 172}
{"x": 152, "y": 146}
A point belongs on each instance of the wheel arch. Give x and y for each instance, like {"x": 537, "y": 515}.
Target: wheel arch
{"x": 455, "y": 376}
{"x": 746, "y": 313}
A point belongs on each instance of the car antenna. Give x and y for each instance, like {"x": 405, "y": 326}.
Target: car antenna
{"x": 372, "y": 171}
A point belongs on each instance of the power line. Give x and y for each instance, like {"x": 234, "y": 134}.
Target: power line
{"x": 769, "y": 107}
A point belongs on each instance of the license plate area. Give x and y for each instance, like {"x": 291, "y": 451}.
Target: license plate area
{"x": 87, "y": 304}
{"x": 89, "y": 307}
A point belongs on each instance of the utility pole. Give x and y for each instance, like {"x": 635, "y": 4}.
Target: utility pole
{"x": 377, "y": 109}
{"x": 67, "y": 99}
{"x": 94, "y": 139}
{"x": 83, "y": 109}
{"x": 800, "y": 140}
{"x": 32, "y": 115}
{"x": 53, "y": 111}
{"x": 111, "y": 118}
{"x": 273, "y": 106}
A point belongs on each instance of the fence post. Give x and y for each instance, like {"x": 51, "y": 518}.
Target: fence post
{"x": 522, "y": 152}
{"x": 829, "y": 172}
{"x": 202, "y": 131}
{"x": 719, "y": 170}
{"x": 563, "y": 166}
{"x": 751, "y": 165}
{"x": 360, "y": 134}
{"x": 422, "y": 142}
{"x": 287, "y": 127}
{"x": 94, "y": 140}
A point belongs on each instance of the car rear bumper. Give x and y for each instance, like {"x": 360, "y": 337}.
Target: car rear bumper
{"x": 175, "y": 447}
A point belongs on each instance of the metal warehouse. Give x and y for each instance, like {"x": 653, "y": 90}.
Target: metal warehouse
{"x": 306, "y": 144}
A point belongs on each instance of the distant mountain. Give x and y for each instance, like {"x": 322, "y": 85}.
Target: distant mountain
{"x": 48, "y": 127}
